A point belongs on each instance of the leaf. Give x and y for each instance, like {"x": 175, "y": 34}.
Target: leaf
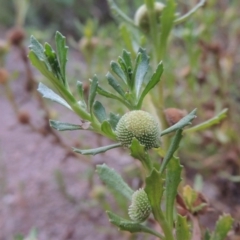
{"x": 207, "y": 235}
{"x": 127, "y": 59}
{"x": 62, "y": 51}
{"x": 126, "y": 37}
{"x": 80, "y": 89}
{"x": 204, "y": 125}
{"x": 114, "y": 84}
{"x": 99, "y": 111}
{"x": 173, "y": 178}
{"x": 95, "y": 151}
{"x": 92, "y": 92}
{"x": 118, "y": 71}
{"x": 61, "y": 126}
{"x": 107, "y": 129}
{"x": 141, "y": 68}
{"x": 189, "y": 196}
{"x": 49, "y": 94}
{"x": 173, "y": 147}
{"x": 126, "y": 225}
{"x": 156, "y": 77}
{"x": 182, "y": 228}
{"x": 114, "y": 181}
{"x": 223, "y": 226}
{"x": 138, "y": 151}
{"x": 113, "y": 120}
{"x": 154, "y": 189}
{"x": 181, "y": 123}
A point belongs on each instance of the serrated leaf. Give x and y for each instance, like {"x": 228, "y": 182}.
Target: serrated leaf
{"x": 99, "y": 111}
{"x": 62, "y": 126}
{"x": 92, "y": 92}
{"x": 140, "y": 70}
{"x": 223, "y": 226}
{"x": 107, "y": 129}
{"x": 204, "y": 125}
{"x": 181, "y": 123}
{"x": 182, "y": 228}
{"x": 118, "y": 71}
{"x": 49, "y": 94}
{"x": 114, "y": 84}
{"x": 173, "y": 178}
{"x": 126, "y": 225}
{"x": 113, "y": 120}
{"x": 138, "y": 151}
{"x": 95, "y": 151}
{"x": 114, "y": 181}
{"x": 156, "y": 77}
{"x": 171, "y": 150}
{"x": 62, "y": 51}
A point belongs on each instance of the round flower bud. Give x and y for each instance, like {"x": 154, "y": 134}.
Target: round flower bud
{"x": 16, "y": 36}
{"x": 140, "y": 208}
{"x": 140, "y": 125}
{"x": 141, "y": 17}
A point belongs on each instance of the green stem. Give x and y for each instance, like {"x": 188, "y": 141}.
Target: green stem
{"x": 159, "y": 217}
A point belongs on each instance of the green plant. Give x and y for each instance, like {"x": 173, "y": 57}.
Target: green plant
{"x": 132, "y": 81}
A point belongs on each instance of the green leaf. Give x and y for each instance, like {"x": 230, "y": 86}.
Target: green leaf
{"x": 204, "y": 125}
{"x": 114, "y": 84}
{"x": 99, "y": 111}
{"x": 167, "y": 21}
{"x": 154, "y": 189}
{"x": 173, "y": 178}
{"x": 49, "y": 94}
{"x": 138, "y": 151}
{"x": 141, "y": 68}
{"x": 62, "y": 51}
{"x": 156, "y": 77}
{"x": 113, "y": 120}
{"x": 38, "y": 51}
{"x": 107, "y": 129}
{"x": 127, "y": 59}
{"x": 62, "y": 126}
{"x": 207, "y": 235}
{"x": 114, "y": 181}
{"x": 126, "y": 225}
{"x": 182, "y": 228}
{"x": 181, "y": 124}
{"x": 95, "y": 151}
{"x": 80, "y": 89}
{"x": 223, "y": 226}
{"x": 92, "y": 92}
{"x": 173, "y": 147}
{"x": 118, "y": 71}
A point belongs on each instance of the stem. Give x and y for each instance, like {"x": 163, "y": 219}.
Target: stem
{"x": 159, "y": 217}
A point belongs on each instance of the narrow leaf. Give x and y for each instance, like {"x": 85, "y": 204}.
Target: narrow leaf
{"x": 49, "y": 94}
{"x": 99, "y": 111}
{"x": 141, "y": 68}
{"x": 62, "y": 126}
{"x": 127, "y": 59}
{"x": 62, "y": 51}
{"x": 204, "y": 125}
{"x": 173, "y": 147}
{"x": 173, "y": 178}
{"x": 114, "y": 181}
{"x": 182, "y": 228}
{"x": 96, "y": 150}
{"x": 181, "y": 124}
{"x": 126, "y": 36}
{"x": 107, "y": 129}
{"x": 114, "y": 84}
{"x": 118, "y": 71}
{"x": 113, "y": 120}
{"x": 92, "y": 92}
{"x": 223, "y": 226}
{"x": 156, "y": 77}
{"x": 126, "y": 225}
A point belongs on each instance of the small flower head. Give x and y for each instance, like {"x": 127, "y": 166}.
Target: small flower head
{"x": 140, "y": 209}
{"x": 141, "y": 17}
{"x": 140, "y": 125}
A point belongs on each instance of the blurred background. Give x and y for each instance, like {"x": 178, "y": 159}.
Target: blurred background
{"x": 45, "y": 189}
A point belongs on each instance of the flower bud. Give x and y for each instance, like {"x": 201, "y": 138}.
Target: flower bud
{"x": 140, "y": 125}
{"x": 140, "y": 209}
{"x": 16, "y": 36}
{"x": 141, "y": 17}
